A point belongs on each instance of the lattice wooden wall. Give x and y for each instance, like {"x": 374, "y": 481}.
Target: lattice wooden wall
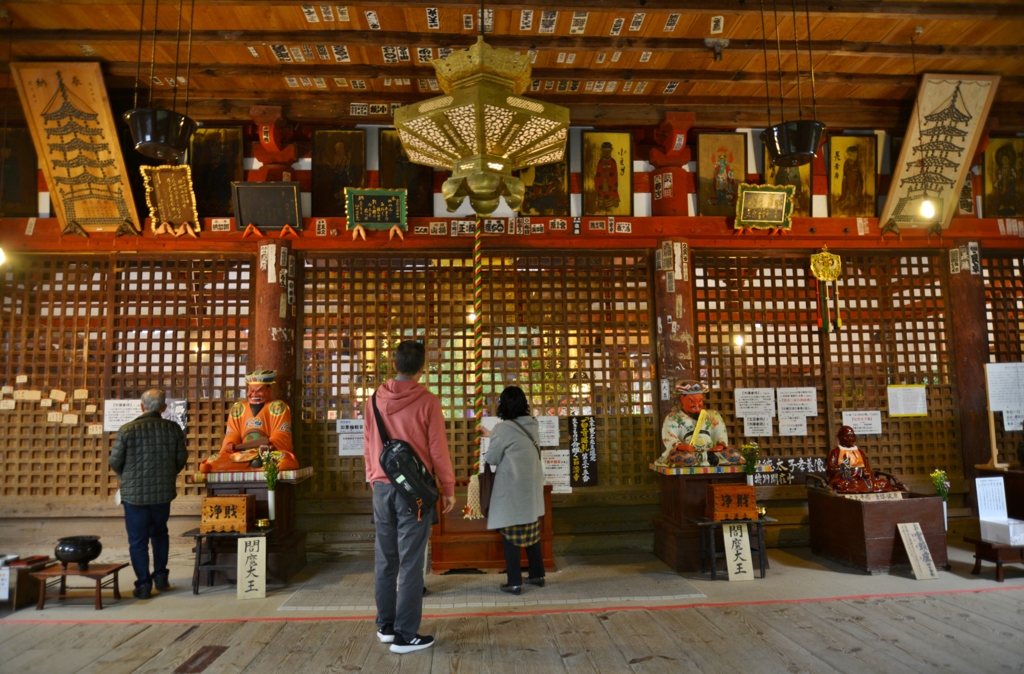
{"x": 115, "y": 326}
{"x": 1004, "y": 309}
{"x": 573, "y": 331}
{"x": 771, "y": 304}
{"x": 896, "y": 331}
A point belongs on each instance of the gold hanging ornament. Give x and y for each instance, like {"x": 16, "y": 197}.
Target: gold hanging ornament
{"x": 827, "y": 268}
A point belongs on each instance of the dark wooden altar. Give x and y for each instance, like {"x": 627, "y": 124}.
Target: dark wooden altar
{"x": 676, "y": 540}
{"x": 458, "y": 543}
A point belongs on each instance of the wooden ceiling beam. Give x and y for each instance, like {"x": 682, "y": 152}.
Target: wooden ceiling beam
{"x": 926, "y": 10}
{"x": 362, "y": 71}
{"x": 523, "y": 42}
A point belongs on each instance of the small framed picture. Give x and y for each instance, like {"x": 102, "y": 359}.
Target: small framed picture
{"x": 607, "y": 173}
{"x": 764, "y": 207}
{"x": 269, "y": 206}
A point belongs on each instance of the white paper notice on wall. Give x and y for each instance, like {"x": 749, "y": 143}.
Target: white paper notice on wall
{"x": 757, "y": 426}
{"x": 252, "y": 568}
{"x": 793, "y": 426}
{"x": 488, "y": 423}
{"x": 1013, "y": 420}
{"x": 548, "y": 432}
{"x": 737, "y": 552}
{"x": 666, "y": 388}
{"x": 556, "y": 470}
{"x": 1005, "y": 385}
{"x": 755, "y": 402}
{"x": 117, "y": 413}
{"x": 864, "y": 422}
{"x": 908, "y": 400}
{"x": 991, "y": 498}
{"x": 797, "y": 401}
{"x": 350, "y": 437}
{"x": 8, "y": 404}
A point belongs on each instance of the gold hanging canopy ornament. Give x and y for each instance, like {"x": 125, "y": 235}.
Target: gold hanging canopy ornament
{"x": 827, "y": 268}
{"x": 482, "y": 129}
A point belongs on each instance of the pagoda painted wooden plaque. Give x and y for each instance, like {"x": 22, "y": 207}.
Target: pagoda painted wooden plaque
{"x": 73, "y": 130}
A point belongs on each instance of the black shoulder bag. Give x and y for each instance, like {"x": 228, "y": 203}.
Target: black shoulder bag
{"x": 405, "y": 470}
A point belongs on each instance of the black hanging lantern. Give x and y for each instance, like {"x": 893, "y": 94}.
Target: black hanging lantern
{"x": 161, "y": 134}
{"x": 793, "y": 143}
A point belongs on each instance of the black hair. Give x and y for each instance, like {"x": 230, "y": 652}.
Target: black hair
{"x": 409, "y": 357}
{"x": 512, "y": 403}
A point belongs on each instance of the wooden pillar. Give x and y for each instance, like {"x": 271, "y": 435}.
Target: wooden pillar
{"x": 970, "y": 352}
{"x": 673, "y": 322}
{"x": 276, "y": 314}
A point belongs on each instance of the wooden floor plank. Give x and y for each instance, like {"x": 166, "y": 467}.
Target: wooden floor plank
{"x": 121, "y": 661}
{"x": 708, "y": 646}
{"x": 243, "y": 645}
{"x": 11, "y": 630}
{"x": 767, "y": 643}
{"x": 583, "y": 646}
{"x": 290, "y": 649}
{"x": 1005, "y": 606}
{"x": 644, "y": 644}
{"x": 346, "y": 647}
{"x": 48, "y": 660}
{"x": 461, "y": 646}
{"x": 825, "y": 634}
{"x": 184, "y": 646}
{"x": 84, "y": 635}
{"x": 522, "y": 644}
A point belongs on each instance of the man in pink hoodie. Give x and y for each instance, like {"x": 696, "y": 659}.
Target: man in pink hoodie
{"x": 411, "y": 413}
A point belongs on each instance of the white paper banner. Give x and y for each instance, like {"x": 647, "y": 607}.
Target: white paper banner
{"x": 864, "y": 422}
{"x": 797, "y": 401}
{"x": 793, "y": 426}
{"x": 757, "y": 426}
{"x": 755, "y": 402}
{"x": 350, "y": 437}
{"x": 548, "y": 433}
{"x": 908, "y": 401}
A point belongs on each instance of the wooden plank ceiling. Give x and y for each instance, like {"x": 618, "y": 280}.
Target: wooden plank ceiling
{"x": 612, "y": 62}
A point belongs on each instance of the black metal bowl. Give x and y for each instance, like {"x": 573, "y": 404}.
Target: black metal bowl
{"x": 78, "y": 549}
{"x": 160, "y": 134}
{"x": 793, "y": 143}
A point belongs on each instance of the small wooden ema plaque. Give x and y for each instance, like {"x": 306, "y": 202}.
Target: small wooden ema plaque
{"x": 235, "y": 513}
{"x": 730, "y": 502}
{"x": 170, "y": 197}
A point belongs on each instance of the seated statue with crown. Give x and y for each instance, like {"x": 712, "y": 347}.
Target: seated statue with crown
{"x": 695, "y": 436}
{"x": 255, "y": 427}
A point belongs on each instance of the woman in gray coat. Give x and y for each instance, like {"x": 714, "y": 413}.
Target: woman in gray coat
{"x": 517, "y": 499}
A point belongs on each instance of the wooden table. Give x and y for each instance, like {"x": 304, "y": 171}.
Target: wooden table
{"x": 57, "y": 575}
{"x": 209, "y": 565}
{"x": 1000, "y": 553}
{"x": 708, "y": 553}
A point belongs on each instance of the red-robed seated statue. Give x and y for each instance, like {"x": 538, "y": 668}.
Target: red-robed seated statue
{"x": 254, "y": 426}
{"x": 849, "y": 471}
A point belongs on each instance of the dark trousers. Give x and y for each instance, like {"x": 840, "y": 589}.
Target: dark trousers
{"x": 144, "y": 524}
{"x": 513, "y": 562}
{"x": 399, "y": 549}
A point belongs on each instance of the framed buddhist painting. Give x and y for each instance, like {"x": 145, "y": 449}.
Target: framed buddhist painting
{"x": 339, "y": 161}
{"x": 765, "y": 207}
{"x": 75, "y": 137}
{"x": 942, "y": 136}
{"x": 547, "y": 190}
{"x": 215, "y": 155}
{"x": 1004, "y": 178}
{"x": 18, "y": 174}
{"x": 797, "y": 176}
{"x": 607, "y": 173}
{"x": 721, "y": 167}
{"x": 396, "y": 172}
{"x": 853, "y": 176}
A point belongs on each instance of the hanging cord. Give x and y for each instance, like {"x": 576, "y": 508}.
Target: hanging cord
{"x": 152, "y": 56}
{"x": 7, "y": 105}
{"x": 138, "y": 60}
{"x": 177, "y": 49}
{"x": 796, "y": 52}
{"x": 778, "y": 52}
{"x": 480, "y": 27}
{"x": 764, "y": 47}
{"x": 810, "y": 55}
{"x": 188, "y": 55}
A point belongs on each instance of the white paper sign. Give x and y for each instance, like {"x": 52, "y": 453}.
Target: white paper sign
{"x": 793, "y": 426}
{"x": 488, "y": 423}
{"x": 5, "y": 583}
{"x": 1005, "y": 386}
{"x": 21, "y": 379}
{"x": 118, "y": 412}
{"x": 917, "y": 549}
{"x": 755, "y": 402}
{"x": 908, "y": 401}
{"x": 1013, "y": 420}
{"x": 7, "y": 404}
{"x": 350, "y": 437}
{"x": 991, "y": 498}
{"x": 252, "y": 568}
{"x": 864, "y": 422}
{"x": 556, "y": 470}
{"x": 737, "y": 552}
{"x": 548, "y": 433}
{"x": 757, "y": 426}
{"x": 666, "y": 389}
{"x": 797, "y": 401}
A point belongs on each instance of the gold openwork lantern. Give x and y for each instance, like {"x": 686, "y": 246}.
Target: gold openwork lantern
{"x": 482, "y": 129}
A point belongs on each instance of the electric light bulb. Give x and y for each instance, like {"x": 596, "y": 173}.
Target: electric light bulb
{"x": 472, "y": 317}
{"x": 927, "y": 210}
{"x": 738, "y": 340}
{"x": 2, "y": 256}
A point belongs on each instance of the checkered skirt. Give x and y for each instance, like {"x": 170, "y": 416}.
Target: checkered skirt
{"x": 523, "y": 535}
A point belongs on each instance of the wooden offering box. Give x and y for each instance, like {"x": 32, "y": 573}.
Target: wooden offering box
{"x": 228, "y": 513}
{"x": 730, "y": 502}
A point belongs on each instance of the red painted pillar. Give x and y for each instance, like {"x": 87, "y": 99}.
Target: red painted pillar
{"x": 276, "y": 314}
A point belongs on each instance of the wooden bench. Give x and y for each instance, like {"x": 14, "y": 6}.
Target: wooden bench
{"x": 1000, "y": 553}
{"x": 58, "y": 576}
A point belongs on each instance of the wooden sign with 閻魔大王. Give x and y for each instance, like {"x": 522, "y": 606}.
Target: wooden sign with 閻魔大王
{"x": 73, "y": 129}
{"x": 171, "y": 201}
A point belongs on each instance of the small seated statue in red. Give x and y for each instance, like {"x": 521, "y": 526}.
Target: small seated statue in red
{"x": 849, "y": 471}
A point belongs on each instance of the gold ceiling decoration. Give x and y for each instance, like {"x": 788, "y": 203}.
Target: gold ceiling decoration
{"x": 482, "y": 129}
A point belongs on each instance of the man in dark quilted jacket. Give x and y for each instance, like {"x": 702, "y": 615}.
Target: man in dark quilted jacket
{"x": 148, "y": 454}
